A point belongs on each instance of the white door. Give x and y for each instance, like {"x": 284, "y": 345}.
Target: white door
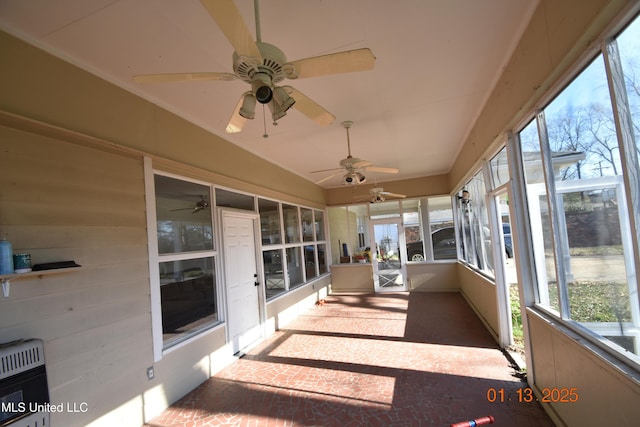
{"x": 388, "y": 255}
{"x": 242, "y": 284}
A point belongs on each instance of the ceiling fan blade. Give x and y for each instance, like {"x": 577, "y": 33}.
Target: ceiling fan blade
{"x": 333, "y": 63}
{"x": 400, "y": 196}
{"x": 327, "y": 170}
{"x": 310, "y": 108}
{"x": 230, "y": 21}
{"x": 359, "y": 164}
{"x": 381, "y": 170}
{"x": 182, "y": 77}
{"x": 236, "y": 122}
{"x": 327, "y": 178}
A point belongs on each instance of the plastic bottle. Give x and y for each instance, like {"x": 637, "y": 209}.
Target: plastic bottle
{"x": 6, "y": 256}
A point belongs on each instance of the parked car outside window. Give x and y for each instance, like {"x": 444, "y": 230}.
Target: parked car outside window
{"x": 444, "y": 244}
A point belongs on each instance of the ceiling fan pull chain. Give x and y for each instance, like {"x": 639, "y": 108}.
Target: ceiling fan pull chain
{"x": 264, "y": 120}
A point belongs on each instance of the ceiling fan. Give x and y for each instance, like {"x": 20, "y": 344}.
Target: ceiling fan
{"x": 262, "y": 65}
{"x": 200, "y": 205}
{"x": 352, "y": 168}
{"x": 378, "y": 195}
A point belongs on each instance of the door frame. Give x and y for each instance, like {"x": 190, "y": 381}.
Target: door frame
{"x": 402, "y": 247}
{"x": 255, "y": 219}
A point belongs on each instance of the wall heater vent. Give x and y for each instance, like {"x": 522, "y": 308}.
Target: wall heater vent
{"x": 19, "y": 357}
{"x": 23, "y": 384}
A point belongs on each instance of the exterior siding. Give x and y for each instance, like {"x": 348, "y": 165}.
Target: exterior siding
{"x": 63, "y": 202}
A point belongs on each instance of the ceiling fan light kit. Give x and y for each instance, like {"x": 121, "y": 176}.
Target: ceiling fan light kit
{"x": 353, "y": 166}
{"x": 248, "y": 110}
{"x": 263, "y": 65}
{"x": 378, "y": 195}
{"x": 354, "y": 178}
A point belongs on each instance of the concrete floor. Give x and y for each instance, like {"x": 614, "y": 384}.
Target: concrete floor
{"x": 394, "y": 359}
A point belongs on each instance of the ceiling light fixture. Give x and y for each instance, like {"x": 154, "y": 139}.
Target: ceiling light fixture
{"x": 248, "y": 109}
{"x": 261, "y": 86}
{"x": 353, "y": 178}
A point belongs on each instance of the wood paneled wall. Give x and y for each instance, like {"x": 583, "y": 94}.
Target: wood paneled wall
{"x": 60, "y": 201}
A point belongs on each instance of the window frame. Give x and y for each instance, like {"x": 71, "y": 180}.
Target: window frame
{"x": 625, "y": 184}
{"x": 160, "y": 348}
{"x": 286, "y": 247}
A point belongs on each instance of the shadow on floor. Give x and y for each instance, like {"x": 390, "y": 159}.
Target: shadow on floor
{"x": 401, "y": 359}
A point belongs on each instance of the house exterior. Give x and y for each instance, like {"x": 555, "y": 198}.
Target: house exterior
{"x": 78, "y": 157}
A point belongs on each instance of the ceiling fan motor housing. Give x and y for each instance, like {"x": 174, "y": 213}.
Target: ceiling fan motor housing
{"x": 261, "y": 75}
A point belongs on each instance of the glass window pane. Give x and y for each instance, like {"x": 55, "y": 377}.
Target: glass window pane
{"x": 183, "y": 216}
{"x": 499, "y": 169}
{"x": 273, "y": 272}
{"x": 339, "y": 230}
{"x": 188, "y": 297}
{"x": 629, "y": 47}
{"x": 483, "y": 242}
{"x": 595, "y": 267}
{"x": 443, "y": 236}
{"x": 477, "y": 238}
{"x": 291, "y": 223}
{"x": 319, "y": 221}
{"x": 540, "y": 224}
{"x": 294, "y": 267}
{"x": 581, "y": 129}
{"x": 310, "y": 261}
{"x": 270, "y": 222}
{"x": 307, "y": 224}
{"x": 349, "y": 234}
{"x": 231, "y": 199}
{"x": 464, "y": 211}
{"x": 390, "y": 209}
{"x": 412, "y": 230}
{"x": 322, "y": 259}
{"x": 444, "y": 243}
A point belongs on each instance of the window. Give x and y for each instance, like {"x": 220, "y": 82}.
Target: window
{"x": 577, "y": 200}
{"x": 294, "y": 267}
{"x": 231, "y": 199}
{"x": 291, "y": 223}
{"x": 629, "y": 47}
{"x": 273, "y": 272}
{"x": 186, "y": 256}
{"x": 319, "y": 224}
{"x": 270, "y": 222}
{"x": 307, "y": 224}
{"x": 474, "y": 223}
{"x": 435, "y": 216}
{"x": 349, "y": 232}
{"x": 322, "y": 259}
{"x": 310, "y": 261}
{"x": 443, "y": 236}
{"x": 302, "y": 255}
{"x": 349, "y": 228}
{"x": 499, "y": 169}
{"x": 413, "y": 230}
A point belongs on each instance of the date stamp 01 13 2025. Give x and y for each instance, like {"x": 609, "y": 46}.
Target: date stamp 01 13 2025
{"x": 526, "y": 395}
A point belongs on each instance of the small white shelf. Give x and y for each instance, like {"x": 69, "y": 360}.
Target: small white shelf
{"x": 7, "y": 278}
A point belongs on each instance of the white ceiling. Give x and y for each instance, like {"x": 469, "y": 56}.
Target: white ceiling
{"x": 436, "y": 63}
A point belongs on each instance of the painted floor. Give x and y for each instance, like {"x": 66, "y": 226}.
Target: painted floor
{"x": 394, "y": 359}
